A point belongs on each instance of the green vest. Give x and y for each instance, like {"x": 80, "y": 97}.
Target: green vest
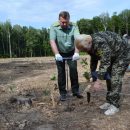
{"x": 64, "y": 38}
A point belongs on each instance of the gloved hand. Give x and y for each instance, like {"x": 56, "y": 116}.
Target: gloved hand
{"x": 75, "y": 56}
{"x": 94, "y": 75}
{"x": 58, "y": 57}
{"x": 107, "y": 76}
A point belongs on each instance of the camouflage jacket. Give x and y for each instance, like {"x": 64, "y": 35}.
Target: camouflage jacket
{"x": 107, "y": 47}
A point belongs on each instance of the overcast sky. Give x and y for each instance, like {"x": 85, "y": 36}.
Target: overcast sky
{"x": 42, "y": 13}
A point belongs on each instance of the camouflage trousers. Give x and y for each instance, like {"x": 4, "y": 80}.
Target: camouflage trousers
{"x": 114, "y": 85}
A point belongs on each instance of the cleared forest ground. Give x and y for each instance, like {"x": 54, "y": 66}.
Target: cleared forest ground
{"x": 29, "y": 79}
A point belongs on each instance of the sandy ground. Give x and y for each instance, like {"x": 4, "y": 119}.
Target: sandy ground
{"x": 29, "y": 99}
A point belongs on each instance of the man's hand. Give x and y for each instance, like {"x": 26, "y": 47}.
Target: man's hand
{"x": 75, "y": 56}
{"x": 97, "y": 85}
{"x": 58, "y": 57}
{"x": 107, "y": 76}
{"x": 94, "y": 75}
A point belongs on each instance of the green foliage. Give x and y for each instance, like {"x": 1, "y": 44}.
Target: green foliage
{"x": 82, "y": 53}
{"x": 105, "y": 19}
{"x": 85, "y": 26}
{"x": 18, "y": 41}
{"x": 115, "y": 23}
{"x": 4, "y": 56}
{"x": 84, "y": 63}
{"x": 53, "y": 77}
{"x": 12, "y": 88}
{"x": 46, "y": 92}
{"x": 86, "y": 75}
{"x": 97, "y": 25}
{"x": 85, "y": 66}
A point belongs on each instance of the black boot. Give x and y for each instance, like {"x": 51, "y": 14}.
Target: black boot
{"x": 77, "y": 95}
{"x": 63, "y": 97}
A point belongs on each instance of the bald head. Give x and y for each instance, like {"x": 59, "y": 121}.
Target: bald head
{"x": 83, "y": 42}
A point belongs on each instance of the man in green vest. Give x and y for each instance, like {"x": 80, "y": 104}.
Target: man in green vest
{"x": 62, "y": 35}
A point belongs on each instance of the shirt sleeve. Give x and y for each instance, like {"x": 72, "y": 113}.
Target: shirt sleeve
{"x": 93, "y": 63}
{"x": 52, "y": 33}
{"x": 105, "y": 53}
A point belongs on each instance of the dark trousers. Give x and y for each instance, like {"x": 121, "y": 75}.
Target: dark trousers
{"x": 72, "y": 65}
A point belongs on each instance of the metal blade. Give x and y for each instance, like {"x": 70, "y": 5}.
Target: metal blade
{"x": 88, "y": 96}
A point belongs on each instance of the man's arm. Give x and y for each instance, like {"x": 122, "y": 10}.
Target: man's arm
{"x": 93, "y": 63}
{"x": 76, "y": 54}
{"x": 105, "y": 54}
{"x": 52, "y": 40}
{"x": 58, "y": 57}
{"x": 54, "y": 47}
{"x": 76, "y": 50}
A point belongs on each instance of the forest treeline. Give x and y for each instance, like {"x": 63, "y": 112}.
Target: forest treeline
{"x": 23, "y": 41}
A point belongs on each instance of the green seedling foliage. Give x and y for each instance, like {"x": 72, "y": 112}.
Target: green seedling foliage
{"x": 46, "y": 92}
{"x": 12, "y": 88}
{"x": 85, "y": 66}
{"x": 86, "y": 75}
{"x": 53, "y": 77}
{"x": 84, "y": 63}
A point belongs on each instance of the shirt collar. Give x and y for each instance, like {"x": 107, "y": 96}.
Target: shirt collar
{"x": 69, "y": 26}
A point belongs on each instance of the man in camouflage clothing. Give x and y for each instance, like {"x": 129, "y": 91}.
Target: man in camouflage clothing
{"x": 126, "y": 37}
{"x": 112, "y": 51}
{"x": 62, "y": 35}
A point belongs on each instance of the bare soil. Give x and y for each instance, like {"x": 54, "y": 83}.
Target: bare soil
{"x": 29, "y": 99}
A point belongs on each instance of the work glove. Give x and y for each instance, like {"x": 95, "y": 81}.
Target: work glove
{"x": 58, "y": 57}
{"x": 107, "y": 76}
{"x": 75, "y": 56}
{"x": 94, "y": 75}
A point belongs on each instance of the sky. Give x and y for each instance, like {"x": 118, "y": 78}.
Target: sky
{"x": 43, "y": 13}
